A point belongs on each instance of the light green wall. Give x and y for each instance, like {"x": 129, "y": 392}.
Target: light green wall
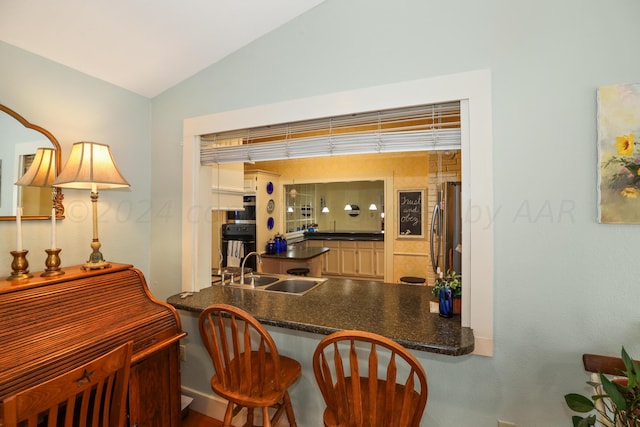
{"x": 75, "y": 107}
{"x": 556, "y": 269}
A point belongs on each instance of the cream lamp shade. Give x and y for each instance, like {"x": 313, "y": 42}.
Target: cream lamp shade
{"x": 91, "y": 166}
{"x": 42, "y": 171}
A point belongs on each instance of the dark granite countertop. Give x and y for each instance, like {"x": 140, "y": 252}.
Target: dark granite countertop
{"x": 398, "y": 311}
{"x": 344, "y": 235}
{"x": 297, "y": 253}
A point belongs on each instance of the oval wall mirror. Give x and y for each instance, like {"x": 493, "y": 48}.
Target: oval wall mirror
{"x": 19, "y": 141}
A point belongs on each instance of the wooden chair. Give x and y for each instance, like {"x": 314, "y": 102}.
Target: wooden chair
{"x": 358, "y": 391}
{"x": 93, "y": 394}
{"x": 249, "y": 372}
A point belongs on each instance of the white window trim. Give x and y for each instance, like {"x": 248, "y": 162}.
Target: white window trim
{"x": 473, "y": 89}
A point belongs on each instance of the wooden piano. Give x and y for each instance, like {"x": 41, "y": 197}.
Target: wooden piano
{"x": 49, "y": 325}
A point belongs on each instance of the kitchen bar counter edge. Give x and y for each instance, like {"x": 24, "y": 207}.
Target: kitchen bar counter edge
{"x": 397, "y": 311}
{"x": 297, "y": 253}
{"x": 343, "y": 235}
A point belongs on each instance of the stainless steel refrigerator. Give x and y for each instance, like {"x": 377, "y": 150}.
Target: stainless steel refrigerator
{"x": 446, "y": 229}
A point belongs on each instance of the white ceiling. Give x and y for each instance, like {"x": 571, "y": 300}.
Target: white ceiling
{"x": 145, "y": 46}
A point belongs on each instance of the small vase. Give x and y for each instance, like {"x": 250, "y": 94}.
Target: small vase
{"x": 446, "y": 302}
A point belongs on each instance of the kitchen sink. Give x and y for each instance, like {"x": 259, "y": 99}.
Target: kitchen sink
{"x": 261, "y": 280}
{"x": 277, "y": 283}
{"x": 294, "y": 286}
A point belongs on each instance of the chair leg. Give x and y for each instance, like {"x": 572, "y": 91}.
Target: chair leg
{"x": 266, "y": 421}
{"x": 249, "y": 422}
{"x": 228, "y": 416}
{"x": 289, "y": 409}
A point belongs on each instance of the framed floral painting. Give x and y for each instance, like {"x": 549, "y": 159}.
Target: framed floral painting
{"x": 619, "y": 154}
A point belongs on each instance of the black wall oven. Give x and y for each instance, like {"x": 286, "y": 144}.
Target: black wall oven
{"x": 237, "y": 241}
{"x": 246, "y": 216}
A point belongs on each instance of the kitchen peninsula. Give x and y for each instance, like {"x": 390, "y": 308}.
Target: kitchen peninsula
{"x": 397, "y": 311}
{"x": 295, "y": 257}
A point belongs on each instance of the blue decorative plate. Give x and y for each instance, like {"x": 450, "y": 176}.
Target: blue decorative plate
{"x": 270, "y": 223}
{"x": 269, "y": 187}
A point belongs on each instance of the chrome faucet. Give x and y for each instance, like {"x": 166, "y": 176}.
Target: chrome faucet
{"x": 244, "y": 261}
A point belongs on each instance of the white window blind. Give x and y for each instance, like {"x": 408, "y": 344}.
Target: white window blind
{"x": 420, "y": 128}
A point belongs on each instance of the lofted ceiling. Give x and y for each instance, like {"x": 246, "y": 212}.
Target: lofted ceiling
{"x": 145, "y": 46}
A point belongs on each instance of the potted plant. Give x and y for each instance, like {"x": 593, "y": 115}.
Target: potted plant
{"x": 619, "y": 403}
{"x": 454, "y": 281}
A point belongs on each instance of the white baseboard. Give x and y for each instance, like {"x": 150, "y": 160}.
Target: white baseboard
{"x": 213, "y": 406}
{"x": 210, "y": 405}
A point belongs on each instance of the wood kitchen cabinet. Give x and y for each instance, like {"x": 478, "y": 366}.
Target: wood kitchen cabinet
{"x": 366, "y": 259}
{"x": 331, "y": 259}
{"x": 352, "y": 258}
{"x": 349, "y": 258}
{"x": 378, "y": 254}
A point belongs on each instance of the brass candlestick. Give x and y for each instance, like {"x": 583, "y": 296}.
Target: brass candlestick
{"x": 52, "y": 263}
{"x": 20, "y": 266}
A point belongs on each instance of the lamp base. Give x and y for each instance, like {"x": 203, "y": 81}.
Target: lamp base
{"x": 96, "y": 260}
{"x": 95, "y": 265}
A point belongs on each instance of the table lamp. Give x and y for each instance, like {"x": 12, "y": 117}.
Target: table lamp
{"x": 91, "y": 166}
{"x": 42, "y": 173}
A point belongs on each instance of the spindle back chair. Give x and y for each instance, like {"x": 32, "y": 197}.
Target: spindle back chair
{"x": 249, "y": 371}
{"x": 360, "y": 390}
{"x": 93, "y": 394}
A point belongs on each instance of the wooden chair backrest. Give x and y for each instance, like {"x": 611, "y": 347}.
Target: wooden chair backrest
{"x": 92, "y": 394}
{"x": 354, "y": 394}
{"x": 240, "y": 348}
{"x": 608, "y": 365}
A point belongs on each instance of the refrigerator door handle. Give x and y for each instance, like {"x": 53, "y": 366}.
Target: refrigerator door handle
{"x": 435, "y": 223}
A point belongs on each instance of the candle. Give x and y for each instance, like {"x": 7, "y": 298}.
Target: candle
{"x": 19, "y": 228}
{"x": 53, "y": 228}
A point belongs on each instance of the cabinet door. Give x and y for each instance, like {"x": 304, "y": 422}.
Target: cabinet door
{"x": 348, "y": 258}
{"x": 331, "y": 259}
{"x": 379, "y": 258}
{"x": 366, "y": 259}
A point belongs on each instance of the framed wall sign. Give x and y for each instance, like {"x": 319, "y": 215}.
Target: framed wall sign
{"x": 411, "y": 214}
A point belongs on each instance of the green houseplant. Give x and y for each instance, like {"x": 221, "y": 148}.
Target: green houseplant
{"x": 451, "y": 279}
{"x": 454, "y": 281}
{"x": 619, "y": 403}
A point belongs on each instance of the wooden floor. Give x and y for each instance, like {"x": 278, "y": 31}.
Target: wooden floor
{"x": 195, "y": 419}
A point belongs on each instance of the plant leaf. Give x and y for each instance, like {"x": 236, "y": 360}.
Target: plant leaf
{"x": 632, "y": 369}
{"x": 614, "y": 394}
{"x": 578, "y": 402}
